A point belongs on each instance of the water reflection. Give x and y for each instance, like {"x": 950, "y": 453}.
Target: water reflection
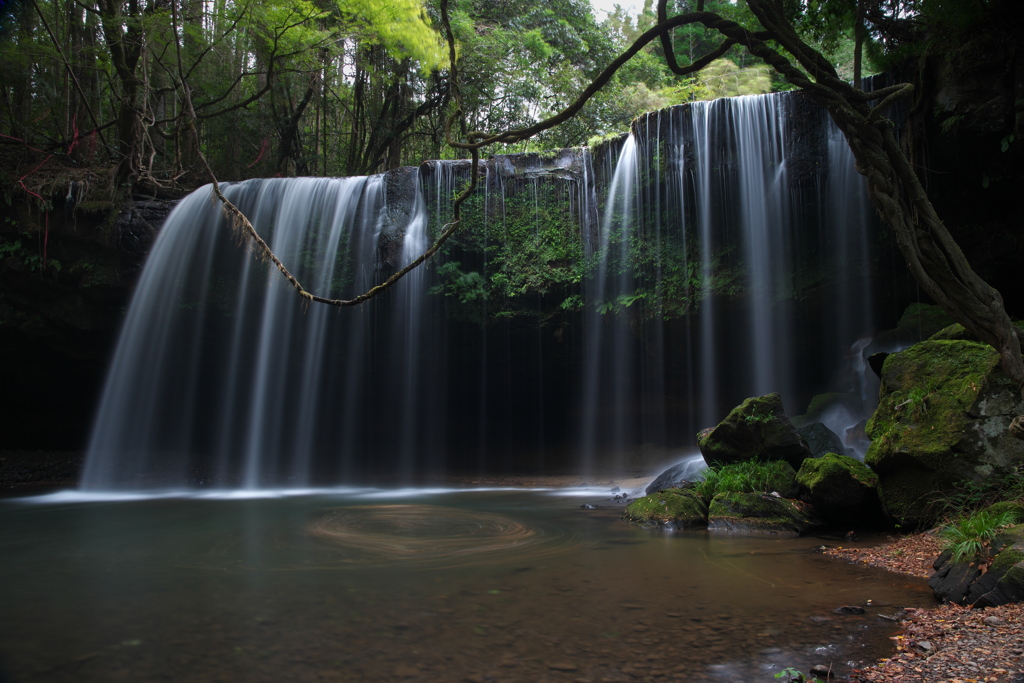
{"x": 502, "y": 585}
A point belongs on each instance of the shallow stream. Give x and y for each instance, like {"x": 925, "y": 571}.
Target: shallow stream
{"x": 365, "y": 585}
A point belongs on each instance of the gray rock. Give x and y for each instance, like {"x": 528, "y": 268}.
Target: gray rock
{"x": 674, "y": 476}
{"x": 821, "y": 440}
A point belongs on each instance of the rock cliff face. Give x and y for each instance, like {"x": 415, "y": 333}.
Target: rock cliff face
{"x": 943, "y": 417}
{"x": 59, "y": 315}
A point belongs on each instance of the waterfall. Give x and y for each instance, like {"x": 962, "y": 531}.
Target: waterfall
{"x": 756, "y": 199}
{"x": 595, "y": 311}
{"x": 223, "y": 375}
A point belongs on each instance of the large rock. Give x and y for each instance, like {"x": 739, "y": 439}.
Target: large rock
{"x": 842, "y": 489}
{"x": 677, "y": 507}
{"x": 942, "y": 418}
{"x": 756, "y": 429}
{"x": 1001, "y": 584}
{"x": 760, "y": 513}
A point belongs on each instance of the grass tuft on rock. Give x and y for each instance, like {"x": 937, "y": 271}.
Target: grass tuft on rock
{"x": 968, "y": 538}
{"x": 750, "y": 476}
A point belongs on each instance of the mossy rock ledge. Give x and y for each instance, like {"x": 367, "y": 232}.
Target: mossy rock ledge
{"x": 679, "y": 508}
{"x": 944, "y": 411}
{"x": 842, "y": 489}
{"x": 760, "y": 513}
{"x": 755, "y": 429}
{"x": 1002, "y": 584}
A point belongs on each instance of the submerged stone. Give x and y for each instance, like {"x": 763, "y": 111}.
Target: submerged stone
{"x": 756, "y": 429}
{"x": 943, "y": 418}
{"x": 678, "y": 507}
{"x": 760, "y": 513}
{"x": 842, "y": 489}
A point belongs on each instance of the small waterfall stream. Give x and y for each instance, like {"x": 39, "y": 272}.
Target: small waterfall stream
{"x": 725, "y": 249}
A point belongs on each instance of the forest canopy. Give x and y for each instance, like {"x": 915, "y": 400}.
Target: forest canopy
{"x": 351, "y": 87}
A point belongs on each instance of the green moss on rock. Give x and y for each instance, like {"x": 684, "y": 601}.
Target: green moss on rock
{"x": 1015, "y": 506}
{"x": 833, "y": 469}
{"x": 679, "y": 507}
{"x": 759, "y": 513}
{"x": 943, "y": 416}
{"x": 1007, "y": 559}
{"x": 756, "y": 429}
{"x": 842, "y": 489}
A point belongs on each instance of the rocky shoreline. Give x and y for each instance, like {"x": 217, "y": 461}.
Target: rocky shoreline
{"x": 945, "y": 644}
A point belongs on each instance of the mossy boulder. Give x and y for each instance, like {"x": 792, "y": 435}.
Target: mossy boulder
{"x": 756, "y": 429}
{"x": 677, "y": 507}
{"x": 842, "y": 489}
{"x": 943, "y": 417}
{"x": 1002, "y": 583}
{"x": 760, "y": 513}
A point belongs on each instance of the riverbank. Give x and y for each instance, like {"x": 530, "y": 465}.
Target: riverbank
{"x": 948, "y": 643}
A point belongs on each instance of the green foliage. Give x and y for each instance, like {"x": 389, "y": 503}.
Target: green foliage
{"x": 30, "y": 259}
{"x": 796, "y": 676}
{"x": 572, "y": 303}
{"x": 757, "y": 418}
{"x": 750, "y": 476}
{"x": 968, "y": 538}
{"x": 723, "y": 78}
{"x": 465, "y": 287}
{"x": 403, "y": 28}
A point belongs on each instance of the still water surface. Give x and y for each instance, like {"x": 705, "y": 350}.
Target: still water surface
{"x": 358, "y": 585}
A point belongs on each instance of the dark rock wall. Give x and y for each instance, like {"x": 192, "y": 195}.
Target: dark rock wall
{"x": 59, "y": 321}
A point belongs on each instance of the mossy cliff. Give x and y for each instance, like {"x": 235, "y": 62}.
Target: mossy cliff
{"x": 943, "y": 416}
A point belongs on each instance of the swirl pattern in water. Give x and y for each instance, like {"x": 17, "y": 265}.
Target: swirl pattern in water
{"x": 430, "y": 534}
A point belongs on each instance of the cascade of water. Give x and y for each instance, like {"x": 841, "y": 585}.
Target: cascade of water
{"x": 729, "y": 258}
{"x": 757, "y": 236}
{"x": 607, "y": 357}
{"x": 219, "y": 361}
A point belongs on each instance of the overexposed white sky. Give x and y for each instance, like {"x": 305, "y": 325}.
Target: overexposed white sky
{"x": 603, "y": 7}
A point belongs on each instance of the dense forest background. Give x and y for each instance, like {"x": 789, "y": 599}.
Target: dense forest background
{"x": 348, "y": 87}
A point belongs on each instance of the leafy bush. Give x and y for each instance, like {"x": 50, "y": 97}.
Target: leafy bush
{"x": 969, "y": 537}
{"x": 750, "y": 476}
